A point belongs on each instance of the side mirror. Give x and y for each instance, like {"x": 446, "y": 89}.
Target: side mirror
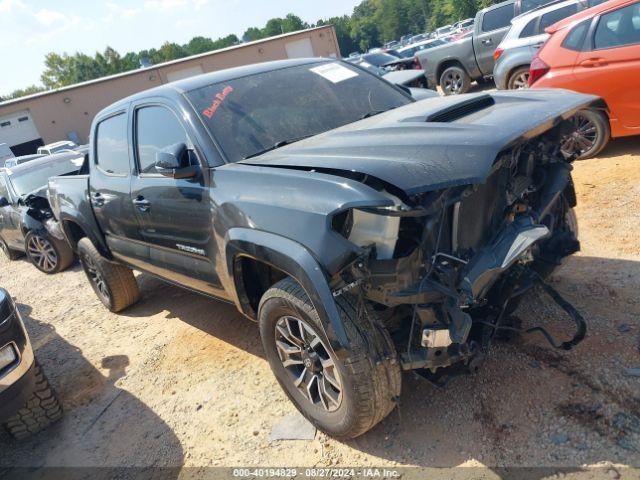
{"x": 173, "y": 162}
{"x": 4, "y": 202}
{"x": 6, "y": 305}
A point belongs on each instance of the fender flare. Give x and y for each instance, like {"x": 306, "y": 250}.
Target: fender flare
{"x": 296, "y": 261}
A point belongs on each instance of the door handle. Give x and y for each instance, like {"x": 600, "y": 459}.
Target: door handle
{"x": 142, "y": 204}
{"x": 487, "y": 42}
{"x": 97, "y": 200}
{"x": 594, "y": 62}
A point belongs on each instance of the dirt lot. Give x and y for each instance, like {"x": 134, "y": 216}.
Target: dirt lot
{"x": 180, "y": 379}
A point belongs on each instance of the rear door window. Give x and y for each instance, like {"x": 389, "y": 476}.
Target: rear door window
{"x": 498, "y": 18}
{"x": 112, "y": 150}
{"x": 550, "y": 18}
{"x": 618, "y": 28}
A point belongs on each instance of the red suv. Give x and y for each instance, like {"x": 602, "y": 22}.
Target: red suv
{"x": 596, "y": 51}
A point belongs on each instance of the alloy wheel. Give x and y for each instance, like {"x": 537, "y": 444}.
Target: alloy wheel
{"x": 42, "y": 253}
{"x": 308, "y": 362}
{"x": 453, "y": 82}
{"x": 95, "y": 276}
{"x": 521, "y": 81}
{"x": 582, "y": 139}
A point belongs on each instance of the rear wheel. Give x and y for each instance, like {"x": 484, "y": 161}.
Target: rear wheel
{"x": 47, "y": 254}
{"x": 455, "y": 81}
{"x": 346, "y": 396}
{"x": 114, "y": 284}
{"x": 519, "y": 79}
{"x": 591, "y": 132}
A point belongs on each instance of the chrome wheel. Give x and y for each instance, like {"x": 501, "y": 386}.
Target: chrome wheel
{"x": 42, "y": 253}
{"x": 452, "y": 83}
{"x": 95, "y": 276}
{"x": 308, "y": 362}
{"x": 520, "y": 81}
{"x": 583, "y": 138}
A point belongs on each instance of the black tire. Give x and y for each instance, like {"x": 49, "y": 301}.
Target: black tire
{"x": 519, "y": 79}
{"x": 455, "y": 81}
{"x": 369, "y": 374}
{"x": 41, "y": 410}
{"x": 47, "y": 254}
{"x": 592, "y": 132}
{"x": 7, "y": 252}
{"x": 114, "y": 284}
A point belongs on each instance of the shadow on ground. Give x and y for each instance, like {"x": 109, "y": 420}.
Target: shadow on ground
{"x": 88, "y": 435}
{"x": 525, "y": 386}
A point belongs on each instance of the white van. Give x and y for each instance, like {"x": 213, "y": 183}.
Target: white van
{"x": 5, "y": 153}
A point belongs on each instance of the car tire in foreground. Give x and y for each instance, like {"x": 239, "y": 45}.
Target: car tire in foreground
{"x": 7, "y": 252}
{"x": 344, "y": 397}
{"x": 47, "y": 254}
{"x": 591, "y": 133}
{"x": 41, "y": 410}
{"x": 519, "y": 79}
{"x": 455, "y": 81}
{"x": 115, "y": 285}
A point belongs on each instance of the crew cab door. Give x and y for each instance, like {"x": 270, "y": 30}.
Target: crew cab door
{"x": 10, "y": 219}
{"x": 110, "y": 187}
{"x": 490, "y": 29}
{"x": 611, "y": 65}
{"x": 174, "y": 215}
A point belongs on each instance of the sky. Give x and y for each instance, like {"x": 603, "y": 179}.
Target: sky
{"x": 29, "y": 29}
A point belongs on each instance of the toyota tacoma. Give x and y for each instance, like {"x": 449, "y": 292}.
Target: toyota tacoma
{"x": 367, "y": 233}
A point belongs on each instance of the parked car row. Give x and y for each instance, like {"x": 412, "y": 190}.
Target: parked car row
{"x": 379, "y": 234}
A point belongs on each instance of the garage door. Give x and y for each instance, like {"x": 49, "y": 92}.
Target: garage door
{"x": 18, "y": 129}
{"x": 300, "y": 49}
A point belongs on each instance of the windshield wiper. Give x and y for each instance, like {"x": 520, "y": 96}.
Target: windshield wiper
{"x": 372, "y": 113}
{"x": 277, "y": 145}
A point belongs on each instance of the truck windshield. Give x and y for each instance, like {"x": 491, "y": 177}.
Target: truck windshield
{"x": 261, "y": 112}
{"x": 32, "y": 179}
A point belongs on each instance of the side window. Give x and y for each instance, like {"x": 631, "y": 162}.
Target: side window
{"x": 156, "y": 129}
{"x": 553, "y": 17}
{"x": 112, "y": 151}
{"x": 575, "y": 38}
{"x": 498, "y": 18}
{"x": 526, "y": 5}
{"x": 530, "y": 29}
{"x": 619, "y": 28}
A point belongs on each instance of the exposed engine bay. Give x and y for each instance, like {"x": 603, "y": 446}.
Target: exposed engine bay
{"x": 444, "y": 269}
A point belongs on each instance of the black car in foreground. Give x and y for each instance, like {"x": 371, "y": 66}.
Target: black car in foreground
{"x": 27, "y": 402}
{"x": 367, "y": 232}
{"x": 27, "y": 225}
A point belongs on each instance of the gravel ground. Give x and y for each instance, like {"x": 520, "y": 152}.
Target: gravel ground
{"x": 179, "y": 379}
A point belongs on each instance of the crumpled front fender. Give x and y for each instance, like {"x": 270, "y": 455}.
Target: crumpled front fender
{"x": 296, "y": 261}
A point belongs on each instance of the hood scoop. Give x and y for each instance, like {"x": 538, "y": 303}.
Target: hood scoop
{"x": 461, "y": 109}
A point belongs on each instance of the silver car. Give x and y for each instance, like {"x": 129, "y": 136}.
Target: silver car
{"x": 525, "y": 37}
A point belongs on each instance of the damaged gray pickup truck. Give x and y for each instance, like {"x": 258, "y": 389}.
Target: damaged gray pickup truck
{"x": 366, "y": 232}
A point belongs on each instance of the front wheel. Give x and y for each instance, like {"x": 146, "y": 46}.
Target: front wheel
{"x": 590, "y": 133}
{"x": 47, "y": 254}
{"x": 455, "y": 81}
{"x": 115, "y": 285}
{"x": 343, "y": 396}
{"x": 7, "y": 252}
{"x": 41, "y": 410}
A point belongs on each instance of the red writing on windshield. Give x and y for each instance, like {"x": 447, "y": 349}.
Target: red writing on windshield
{"x": 211, "y": 110}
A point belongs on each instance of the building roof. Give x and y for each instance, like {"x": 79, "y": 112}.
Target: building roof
{"x": 159, "y": 65}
